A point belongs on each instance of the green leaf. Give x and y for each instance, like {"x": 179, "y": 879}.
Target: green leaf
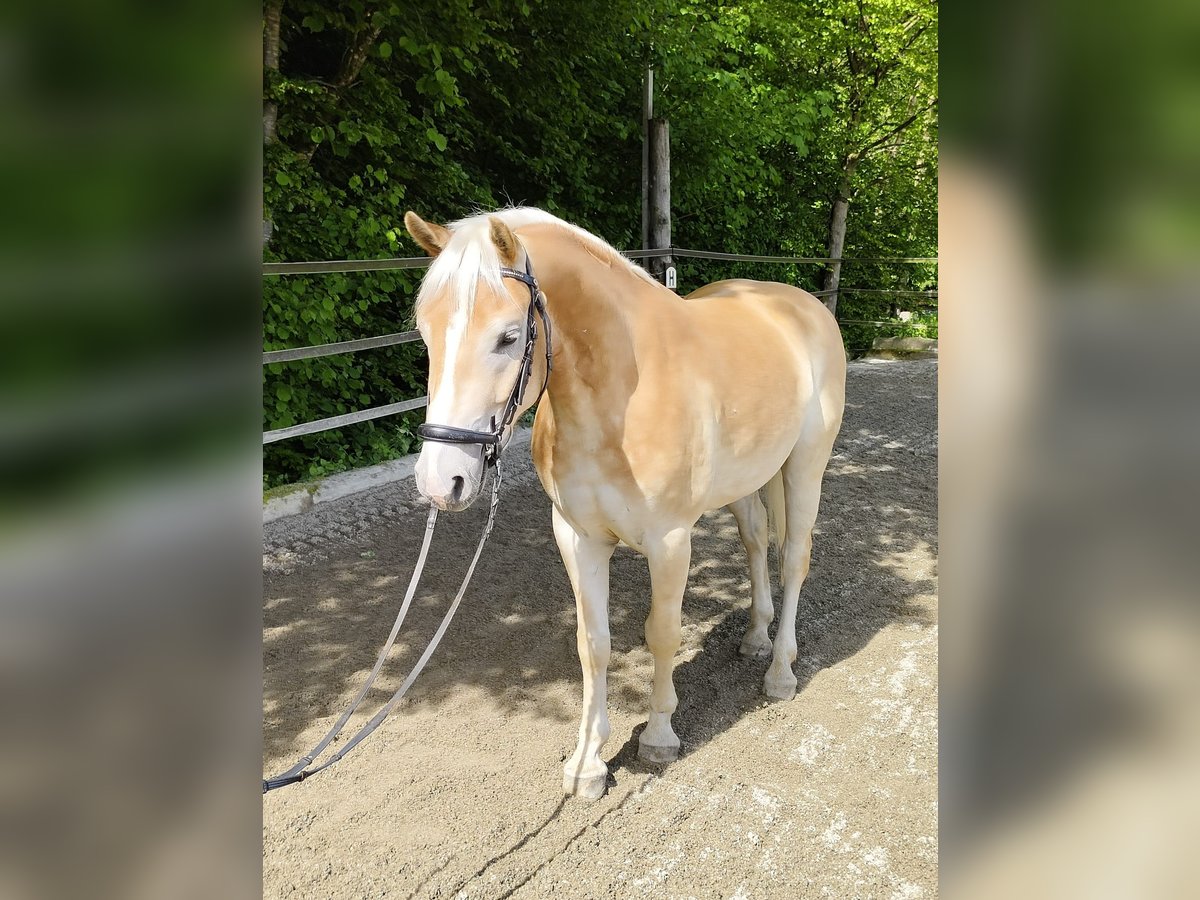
{"x": 283, "y": 392}
{"x": 762, "y": 111}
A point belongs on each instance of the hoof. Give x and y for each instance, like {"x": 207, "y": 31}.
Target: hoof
{"x": 780, "y": 688}
{"x": 587, "y": 788}
{"x": 755, "y": 648}
{"x": 652, "y": 754}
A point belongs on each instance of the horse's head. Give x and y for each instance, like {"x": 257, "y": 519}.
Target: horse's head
{"x": 474, "y": 323}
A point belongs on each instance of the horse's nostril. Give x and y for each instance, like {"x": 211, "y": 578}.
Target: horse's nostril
{"x": 458, "y": 488}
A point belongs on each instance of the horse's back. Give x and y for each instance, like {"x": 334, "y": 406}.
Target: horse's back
{"x": 765, "y": 296}
{"x": 768, "y": 372}
{"x": 771, "y": 305}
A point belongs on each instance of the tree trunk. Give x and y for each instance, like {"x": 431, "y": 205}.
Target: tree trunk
{"x": 355, "y": 59}
{"x": 272, "y": 13}
{"x": 837, "y": 237}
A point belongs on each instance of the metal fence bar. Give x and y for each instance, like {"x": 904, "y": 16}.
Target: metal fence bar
{"x": 327, "y": 267}
{"x": 898, "y": 292}
{"x": 741, "y": 257}
{"x": 386, "y": 340}
{"x": 403, "y": 337}
{"x": 362, "y": 415}
{"x": 893, "y": 323}
{"x": 331, "y": 266}
{"x": 383, "y": 340}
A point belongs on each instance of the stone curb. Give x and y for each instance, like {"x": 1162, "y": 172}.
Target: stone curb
{"x": 303, "y": 497}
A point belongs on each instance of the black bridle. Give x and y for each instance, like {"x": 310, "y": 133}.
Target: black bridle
{"x": 491, "y": 440}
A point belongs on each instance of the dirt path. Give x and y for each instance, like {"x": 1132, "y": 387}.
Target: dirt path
{"x": 831, "y": 795}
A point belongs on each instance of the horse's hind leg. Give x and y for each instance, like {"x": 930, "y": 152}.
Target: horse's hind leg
{"x": 802, "y": 474}
{"x": 751, "y": 518}
{"x": 669, "y": 558}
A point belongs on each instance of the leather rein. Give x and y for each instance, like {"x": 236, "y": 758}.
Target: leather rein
{"x": 492, "y": 441}
{"x": 492, "y": 444}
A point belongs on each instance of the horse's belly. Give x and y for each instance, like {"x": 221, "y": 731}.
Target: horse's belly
{"x": 741, "y": 468}
{"x": 686, "y": 449}
{"x": 753, "y": 425}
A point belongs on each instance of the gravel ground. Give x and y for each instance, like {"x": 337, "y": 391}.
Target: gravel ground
{"x": 833, "y": 794}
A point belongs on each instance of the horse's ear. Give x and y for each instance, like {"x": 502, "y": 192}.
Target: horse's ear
{"x": 505, "y": 241}
{"x": 432, "y": 238}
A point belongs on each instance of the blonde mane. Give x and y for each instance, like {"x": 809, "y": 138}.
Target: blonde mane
{"x": 471, "y": 257}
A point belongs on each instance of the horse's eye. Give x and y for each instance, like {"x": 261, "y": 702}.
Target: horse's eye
{"x": 507, "y": 339}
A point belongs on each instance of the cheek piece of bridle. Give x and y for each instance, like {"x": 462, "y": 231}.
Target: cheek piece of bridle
{"x": 492, "y": 441}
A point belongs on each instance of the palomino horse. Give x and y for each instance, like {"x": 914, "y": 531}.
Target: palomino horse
{"x": 659, "y": 408}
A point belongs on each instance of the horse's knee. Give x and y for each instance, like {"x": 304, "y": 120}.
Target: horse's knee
{"x": 795, "y": 557}
{"x": 663, "y": 631}
{"x": 752, "y": 526}
{"x": 756, "y": 544}
{"x": 596, "y": 648}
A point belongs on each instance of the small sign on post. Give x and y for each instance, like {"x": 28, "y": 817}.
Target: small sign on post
{"x": 670, "y": 273}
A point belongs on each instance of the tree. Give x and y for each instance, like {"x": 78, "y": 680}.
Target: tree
{"x": 777, "y": 110}
{"x": 881, "y": 61}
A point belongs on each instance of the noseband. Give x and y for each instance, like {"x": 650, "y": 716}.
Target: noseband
{"x": 448, "y": 434}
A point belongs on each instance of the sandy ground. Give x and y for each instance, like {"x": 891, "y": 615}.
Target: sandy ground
{"x": 833, "y": 794}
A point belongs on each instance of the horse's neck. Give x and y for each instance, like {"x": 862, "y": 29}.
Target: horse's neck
{"x": 590, "y": 306}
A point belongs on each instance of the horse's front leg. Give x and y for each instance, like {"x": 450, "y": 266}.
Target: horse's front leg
{"x": 670, "y": 559}
{"x": 586, "y": 560}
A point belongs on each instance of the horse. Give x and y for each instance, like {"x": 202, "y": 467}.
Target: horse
{"x": 660, "y": 408}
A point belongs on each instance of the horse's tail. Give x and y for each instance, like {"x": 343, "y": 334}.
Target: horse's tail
{"x": 777, "y": 515}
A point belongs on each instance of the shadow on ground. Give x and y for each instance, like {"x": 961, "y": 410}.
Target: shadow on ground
{"x": 514, "y": 638}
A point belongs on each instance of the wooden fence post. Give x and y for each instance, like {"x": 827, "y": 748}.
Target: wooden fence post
{"x": 660, "y": 193}
{"x": 647, "y": 115}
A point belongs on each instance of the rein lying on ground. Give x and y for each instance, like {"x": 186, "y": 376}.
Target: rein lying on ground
{"x": 491, "y": 442}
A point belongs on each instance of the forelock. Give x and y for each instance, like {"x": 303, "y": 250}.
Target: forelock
{"x": 469, "y": 258}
